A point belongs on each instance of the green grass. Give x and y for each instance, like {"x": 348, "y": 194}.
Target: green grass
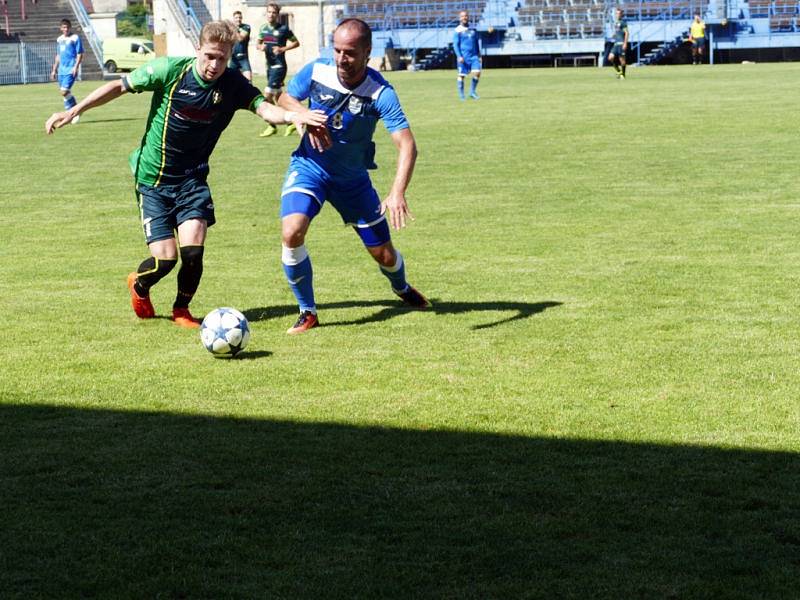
{"x": 603, "y": 402}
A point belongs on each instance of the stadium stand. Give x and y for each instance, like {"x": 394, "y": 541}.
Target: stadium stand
{"x": 38, "y": 21}
{"x": 563, "y": 19}
{"x": 783, "y": 16}
{"x": 396, "y": 15}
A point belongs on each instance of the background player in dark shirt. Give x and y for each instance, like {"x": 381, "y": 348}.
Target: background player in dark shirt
{"x": 617, "y": 55}
{"x": 240, "y": 59}
{"x": 275, "y": 40}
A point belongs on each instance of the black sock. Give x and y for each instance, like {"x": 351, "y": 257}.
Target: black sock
{"x": 189, "y": 275}
{"x": 623, "y": 69}
{"x": 150, "y": 272}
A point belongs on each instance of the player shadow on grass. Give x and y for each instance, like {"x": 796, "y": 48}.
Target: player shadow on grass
{"x": 390, "y": 309}
{"x": 131, "y": 504}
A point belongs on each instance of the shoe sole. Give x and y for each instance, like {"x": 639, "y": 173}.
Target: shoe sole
{"x": 299, "y": 330}
{"x": 186, "y": 323}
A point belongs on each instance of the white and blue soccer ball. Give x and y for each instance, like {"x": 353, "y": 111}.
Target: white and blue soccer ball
{"x": 225, "y": 332}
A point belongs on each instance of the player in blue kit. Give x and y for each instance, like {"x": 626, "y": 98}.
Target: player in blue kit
{"x": 354, "y": 97}
{"x": 468, "y": 55}
{"x": 67, "y": 62}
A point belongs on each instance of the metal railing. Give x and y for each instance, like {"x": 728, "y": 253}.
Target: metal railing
{"x": 95, "y": 41}
{"x": 22, "y": 62}
{"x": 187, "y": 19}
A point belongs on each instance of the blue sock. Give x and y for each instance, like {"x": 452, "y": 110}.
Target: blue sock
{"x": 474, "y": 85}
{"x": 461, "y": 88}
{"x": 397, "y": 274}
{"x": 69, "y": 101}
{"x": 297, "y": 267}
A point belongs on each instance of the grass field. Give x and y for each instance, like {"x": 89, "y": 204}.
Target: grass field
{"x": 603, "y": 402}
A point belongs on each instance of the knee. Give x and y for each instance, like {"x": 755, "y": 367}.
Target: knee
{"x": 192, "y": 255}
{"x": 292, "y": 237}
{"x": 385, "y": 255}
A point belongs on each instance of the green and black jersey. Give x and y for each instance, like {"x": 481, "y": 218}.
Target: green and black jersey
{"x": 620, "y": 29}
{"x": 240, "y": 48}
{"x": 275, "y": 36}
{"x": 187, "y": 116}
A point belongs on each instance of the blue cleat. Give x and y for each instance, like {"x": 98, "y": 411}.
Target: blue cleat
{"x": 474, "y": 96}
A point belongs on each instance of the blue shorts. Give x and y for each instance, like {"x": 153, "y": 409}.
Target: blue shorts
{"x": 165, "y": 207}
{"x": 65, "y": 82}
{"x": 471, "y": 63}
{"x": 242, "y": 63}
{"x": 356, "y": 201}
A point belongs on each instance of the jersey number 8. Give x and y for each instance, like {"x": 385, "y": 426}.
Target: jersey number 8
{"x": 337, "y": 121}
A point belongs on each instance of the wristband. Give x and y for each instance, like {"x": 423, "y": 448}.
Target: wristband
{"x": 289, "y": 116}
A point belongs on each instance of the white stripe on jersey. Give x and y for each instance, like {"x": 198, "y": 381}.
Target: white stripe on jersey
{"x": 326, "y": 75}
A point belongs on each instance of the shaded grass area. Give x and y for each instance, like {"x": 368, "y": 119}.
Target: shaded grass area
{"x": 130, "y": 504}
{"x": 602, "y": 403}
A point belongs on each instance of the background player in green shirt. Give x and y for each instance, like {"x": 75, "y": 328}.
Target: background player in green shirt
{"x": 275, "y": 40}
{"x": 194, "y": 99}
{"x": 617, "y": 55}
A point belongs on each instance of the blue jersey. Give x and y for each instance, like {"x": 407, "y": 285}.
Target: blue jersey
{"x": 69, "y": 47}
{"x": 465, "y": 43}
{"x": 352, "y": 116}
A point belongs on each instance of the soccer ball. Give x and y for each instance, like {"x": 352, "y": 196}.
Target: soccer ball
{"x": 225, "y": 332}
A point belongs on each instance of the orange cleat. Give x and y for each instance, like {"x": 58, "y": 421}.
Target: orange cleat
{"x": 183, "y": 318}
{"x": 141, "y": 304}
{"x": 307, "y": 320}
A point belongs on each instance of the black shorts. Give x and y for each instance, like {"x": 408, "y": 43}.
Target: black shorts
{"x": 165, "y": 207}
{"x": 276, "y": 75}
{"x": 240, "y": 62}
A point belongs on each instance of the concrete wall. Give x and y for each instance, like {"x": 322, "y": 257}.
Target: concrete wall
{"x": 109, "y": 6}
{"x": 104, "y": 24}
{"x": 311, "y": 22}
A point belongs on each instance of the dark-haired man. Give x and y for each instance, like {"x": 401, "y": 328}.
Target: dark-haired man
{"x": 354, "y": 97}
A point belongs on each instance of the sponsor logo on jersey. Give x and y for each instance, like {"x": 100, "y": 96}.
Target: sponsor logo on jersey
{"x": 216, "y": 97}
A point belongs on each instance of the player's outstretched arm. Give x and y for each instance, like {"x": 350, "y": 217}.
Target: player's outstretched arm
{"x": 105, "y": 93}
{"x": 395, "y": 204}
{"x": 318, "y": 133}
{"x": 300, "y": 117}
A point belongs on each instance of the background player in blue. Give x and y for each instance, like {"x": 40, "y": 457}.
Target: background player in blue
{"x": 354, "y": 97}
{"x": 68, "y": 60}
{"x": 468, "y": 55}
